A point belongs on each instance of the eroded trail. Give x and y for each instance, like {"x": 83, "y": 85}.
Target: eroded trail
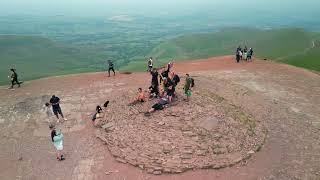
{"x": 284, "y": 98}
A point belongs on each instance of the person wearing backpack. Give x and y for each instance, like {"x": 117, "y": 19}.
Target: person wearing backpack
{"x": 187, "y": 87}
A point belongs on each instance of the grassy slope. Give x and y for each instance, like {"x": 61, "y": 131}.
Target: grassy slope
{"x": 36, "y": 57}
{"x": 285, "y": 45}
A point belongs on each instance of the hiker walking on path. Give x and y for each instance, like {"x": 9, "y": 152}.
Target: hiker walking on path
{"x": 14, "y": 78}
{"x": 57, "y": 139}
{"x": 111, "y": 68}
{"x": 55, "y": 102}
{"x": 150, "y": 64}
{"x": 187, "y": 87}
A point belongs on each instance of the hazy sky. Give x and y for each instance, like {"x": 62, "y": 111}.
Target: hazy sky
{"x": 105, "y": 7}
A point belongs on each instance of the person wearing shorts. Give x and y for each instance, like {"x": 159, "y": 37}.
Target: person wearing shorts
{"x": 55, "y": 103}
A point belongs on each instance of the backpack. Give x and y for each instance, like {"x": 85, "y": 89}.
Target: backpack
{"x": 192, "y": 82}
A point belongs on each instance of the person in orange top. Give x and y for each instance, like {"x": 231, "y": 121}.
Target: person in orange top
{"x": 140, "y": 97}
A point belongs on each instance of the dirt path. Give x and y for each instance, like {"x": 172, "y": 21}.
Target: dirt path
{"x": 286, "y": 99}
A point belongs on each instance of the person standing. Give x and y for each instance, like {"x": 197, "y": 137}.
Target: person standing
{"x": 175, "y": 79}
{"x": 187, "y": 87}
{"x": 55, "y": 102}
{"x": 169, "y": 88}
{"x": 154, "y": 80}
{"x": 245, "y": 49}
{"x": 250, "y": 53}
{"x": 150, "y": 64}
{"x": 238, "y": 56}
{"x": 57, "y": 140}
{"x": 111, "y": 68}
{"x": 14, "y": 78}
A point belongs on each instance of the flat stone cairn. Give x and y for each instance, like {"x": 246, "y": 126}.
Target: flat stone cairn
{"x": 206, "y": 132}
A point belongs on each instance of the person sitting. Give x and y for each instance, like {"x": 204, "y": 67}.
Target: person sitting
{"x": 140, "y": 98}
{"x": 158, "y": 106}
{"x": 97, "y": 114}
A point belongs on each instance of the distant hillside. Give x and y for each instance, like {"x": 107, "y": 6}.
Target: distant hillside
{"x": 36, "y": 57}
{"x": 292, "y": 46}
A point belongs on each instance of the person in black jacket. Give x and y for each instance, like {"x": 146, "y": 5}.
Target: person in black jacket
{"x": 111, "y": 68}
{"x": 14, "y": 78}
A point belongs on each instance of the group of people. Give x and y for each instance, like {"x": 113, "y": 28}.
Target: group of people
{"x": 163, "y": 86}
{"x": 244, "y": 54}
{"x": 56, "y": 135}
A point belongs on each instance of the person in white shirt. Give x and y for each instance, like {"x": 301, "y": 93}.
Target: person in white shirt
{"x": 150, "y": 64}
